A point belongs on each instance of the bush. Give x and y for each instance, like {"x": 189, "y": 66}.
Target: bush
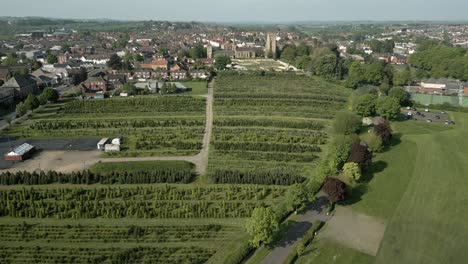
{"x": 346, "y": 123}
{"x": 352, "y": 171}
{"x": 384, "y": 131}
{"x": 335, "y": 189}
{"x": 50, "y": 95}
{"x": 374, "y": 143}
{"x": 21, "y": 109}
{"x": 361, "y": 156}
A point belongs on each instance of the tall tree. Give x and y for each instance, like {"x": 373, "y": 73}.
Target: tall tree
{"x": 115, "y": 62}
{"x": 262, "y": 226}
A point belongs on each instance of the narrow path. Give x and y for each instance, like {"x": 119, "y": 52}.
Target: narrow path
{"x": 317, "y": 211}
{"x": 201, "y": 159}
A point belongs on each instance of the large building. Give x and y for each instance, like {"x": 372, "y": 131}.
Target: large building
{"x": 270, "y": 46}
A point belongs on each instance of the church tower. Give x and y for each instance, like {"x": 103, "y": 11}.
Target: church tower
{"x": 209, "y": 51}
{"x": 270, "y": 46}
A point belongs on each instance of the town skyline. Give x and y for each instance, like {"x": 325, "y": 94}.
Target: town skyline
{"x": 244, "y": 11}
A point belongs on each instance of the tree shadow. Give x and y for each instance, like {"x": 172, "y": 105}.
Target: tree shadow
{"x": 375, "y": 167}
{"x": 295, "y": 231}
{"x": 396, "y": 139}
{"x": 355, "y": 194}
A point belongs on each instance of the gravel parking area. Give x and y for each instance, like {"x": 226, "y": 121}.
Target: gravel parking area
{"x": 427, "y": 115}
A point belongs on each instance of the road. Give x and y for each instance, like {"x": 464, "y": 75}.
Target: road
{"x": 317, "y": 211}
{"x": 201, "y": 159}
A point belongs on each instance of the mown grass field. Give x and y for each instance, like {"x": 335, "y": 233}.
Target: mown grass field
{"x": 198, "y": 87}
{"x": 149, "y": 126}
{"x": 270, "y": 129}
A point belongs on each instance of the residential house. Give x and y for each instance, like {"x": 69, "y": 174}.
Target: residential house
{"x": 179, "y": 75}
{"x": 156, "y": 64}
{"x": 197, "y": 74}
{"x": 142, "y": 74}
{"x": 399, "y": 59}
{"x": 95, "y": 84}
{"x": 23, "y": 85}
{"x": 48, "y": 79}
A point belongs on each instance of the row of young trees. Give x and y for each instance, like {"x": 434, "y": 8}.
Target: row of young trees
{"x": 167, "y": 175}
{"x": 87, "y": 254}
{"x": 111, "y": 233}
{"x": 88, "y": 204}
{"x": 264, "y": 122}
{"x": 54, "y": 124}
{"x": 265, "y": 146}
{"x": 32, "y": 102}
{"x": 272, "y": 177}
{"x": 141, "y": 104}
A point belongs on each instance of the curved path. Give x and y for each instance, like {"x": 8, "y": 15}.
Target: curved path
{"x": 201, "y": 159}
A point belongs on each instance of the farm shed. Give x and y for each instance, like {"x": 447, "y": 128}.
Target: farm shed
{"x": 112, "y": 148}
{"x": 21, "y": 152}
{"x": 101, "y": 144}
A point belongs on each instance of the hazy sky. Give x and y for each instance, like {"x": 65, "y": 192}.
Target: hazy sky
{"x": 241, "y": 10}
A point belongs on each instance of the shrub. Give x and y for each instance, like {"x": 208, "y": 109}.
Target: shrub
{"x": 335, "y": 189}
{"x": 346, "y": 122}
{"x": 384, "y": 131}
{"x": 361, "y": 156}
{"x": 374, "y": 143}
{"x": 352, "y": 171}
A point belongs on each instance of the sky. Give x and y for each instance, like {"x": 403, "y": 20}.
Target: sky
{"x": 241, "y": 10}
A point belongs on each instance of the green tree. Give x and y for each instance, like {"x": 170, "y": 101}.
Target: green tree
{"x": 289, "y": 54}
{"x": 352, "y": 172}
{"x": 388, "y": 107}
{"x": 374, "y": 143}
{"x": 297, "y": 196}
{"x": 262, "y": 226}
{"x": 130, "y": 89}
{"x": 401, "y": 95}
{"x": 115, "y": 62}
{"x": 402, "y": 78}
{"x": 31, "y": 102}
{"x": 21, "y": 109}
{"x": 50, "y": 95}
{"x": 36, "y": 65}
{"x": 366, "y": 105}
{"x": 328, "y": 67}
{"x": 52, "y": 58}
{"x": 221, "y": 62}
{"x": 346, "y": 122}
{"x": 198, "y": 52}
{"x": 11, "y": 59}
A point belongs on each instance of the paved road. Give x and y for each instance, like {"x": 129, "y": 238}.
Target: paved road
{"x": 317, "y": 211}
{"x": 201, "y": 159}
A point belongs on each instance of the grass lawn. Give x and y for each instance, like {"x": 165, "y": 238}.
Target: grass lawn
{"x": 418, "y": 187}
{"x": 325, "y": 251}
{"x": 198, "y": 88}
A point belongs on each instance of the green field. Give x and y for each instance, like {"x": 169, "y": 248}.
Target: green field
{"x": 270, "y": 129}
{"x": 324, "y": 251}
{"x": 137, "y": 166}
{"x": 198, "y": 87}
{"x": 149, "y": 126}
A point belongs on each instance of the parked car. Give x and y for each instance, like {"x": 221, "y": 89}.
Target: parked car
{"x": 437, "y": 117}
{"x": 429, "y": 120}
{"x": 426, "y": 110}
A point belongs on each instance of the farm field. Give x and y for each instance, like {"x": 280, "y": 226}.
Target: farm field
{"x": 149, "y": 126}
{"x": 270, "y": 129}
{"x": 418, "y": 188}
{"x": 145, "y": 223}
